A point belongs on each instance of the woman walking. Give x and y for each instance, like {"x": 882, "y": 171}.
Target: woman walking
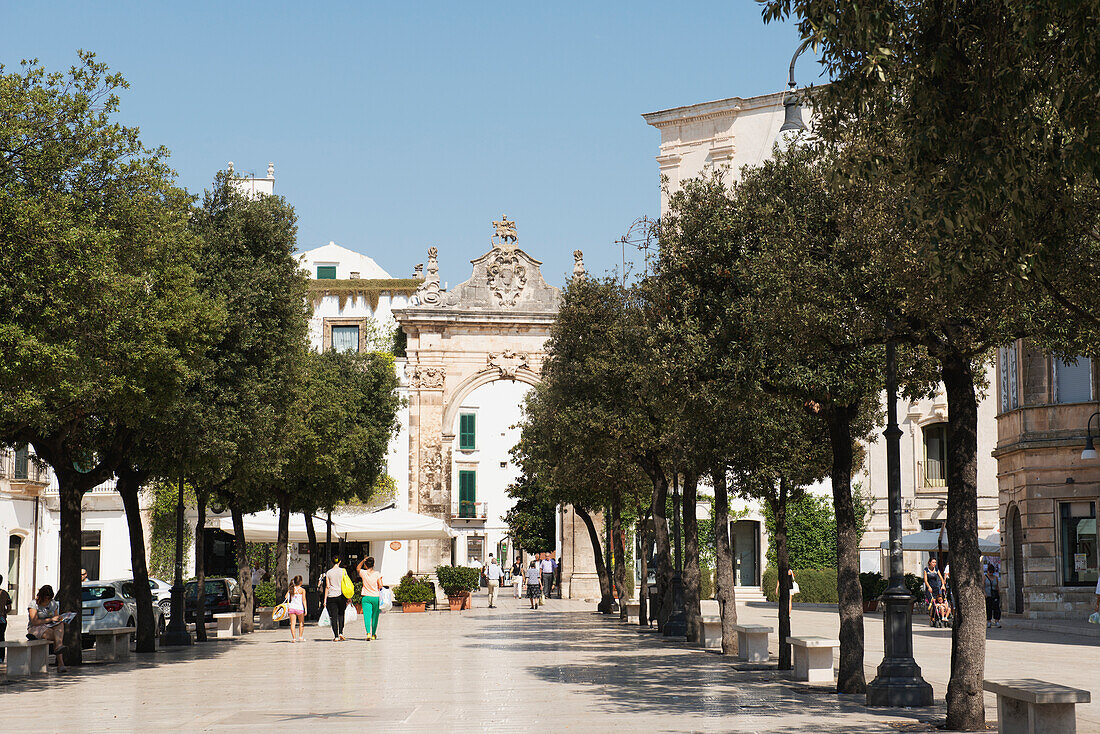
{"x": 44, "y": 622}
{"x": 296, "y": 609}
{"x": 335, "y": 602}
{"x": 517, "y": 578}
{"x": 372, "y": 587}
{"x": 534, "y": 585}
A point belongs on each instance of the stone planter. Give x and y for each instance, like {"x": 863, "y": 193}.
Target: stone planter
{"x": 457, "y": 603}
{"x": 409, "y": 607}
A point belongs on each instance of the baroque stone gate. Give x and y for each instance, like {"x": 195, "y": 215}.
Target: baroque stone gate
{"x": 491, "y": 327}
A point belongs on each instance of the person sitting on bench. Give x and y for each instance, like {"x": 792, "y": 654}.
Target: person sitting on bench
{"x": 44, "y": 622}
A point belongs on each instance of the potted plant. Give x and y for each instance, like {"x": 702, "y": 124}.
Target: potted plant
{"x": 457, "y": 583}
{"x": 873, "y": 584}
{"x": 412, "y": 594}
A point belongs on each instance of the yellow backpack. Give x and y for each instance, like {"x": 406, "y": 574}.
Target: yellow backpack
{"x": 346, "y": 586}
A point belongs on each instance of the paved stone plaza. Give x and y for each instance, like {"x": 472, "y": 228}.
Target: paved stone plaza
{"x": 508, "y": 669}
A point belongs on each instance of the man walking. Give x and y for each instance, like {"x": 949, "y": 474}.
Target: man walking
{"x": 547, "y": 568}
{"x": 493, "y": 573}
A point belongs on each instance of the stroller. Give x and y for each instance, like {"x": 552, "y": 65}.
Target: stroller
{"x": 939, "y": 610}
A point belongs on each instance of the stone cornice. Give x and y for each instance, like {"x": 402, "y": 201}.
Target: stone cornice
{"x": 711, "y": 110}
{"x": 438, "y": 316}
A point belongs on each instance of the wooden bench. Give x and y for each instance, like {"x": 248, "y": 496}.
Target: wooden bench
{"x": 267, "y": 622}
{"x": 229, "y": 624}
{"x": 633, "y": 611}
{"x": 1033, "y": 706}
{"x": 26, "y": 658}
{"x": 752, "y": 643}
{"x": 813, "y": 658}
{"x": 112, "y": 644}
{"x": 712, "y": 632}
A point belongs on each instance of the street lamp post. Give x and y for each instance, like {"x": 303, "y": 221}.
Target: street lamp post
{"x": 899, "y": 681}
{"x": 177, "y": 635}
{"x": 676, "y": 624}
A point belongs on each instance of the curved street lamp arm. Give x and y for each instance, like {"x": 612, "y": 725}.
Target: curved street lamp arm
{"x": 794, "y": 58}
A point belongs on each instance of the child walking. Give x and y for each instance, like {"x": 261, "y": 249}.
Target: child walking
{"x": 296, "y": 603}
{"x": 372, "y": 587}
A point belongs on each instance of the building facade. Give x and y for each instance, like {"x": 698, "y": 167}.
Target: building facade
{"x": 1048, "y": 491}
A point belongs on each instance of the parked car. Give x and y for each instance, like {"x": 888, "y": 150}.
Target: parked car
{"x": 107, "y": 604}
{"x": 162, "y": 596}
{"x": 222, "y": 595}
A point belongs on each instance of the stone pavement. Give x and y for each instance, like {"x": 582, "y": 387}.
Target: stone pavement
{"x": 562, "y": 668}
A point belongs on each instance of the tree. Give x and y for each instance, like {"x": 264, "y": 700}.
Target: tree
{"x": 531, "y": 519}
{"x": 102, "y": 325}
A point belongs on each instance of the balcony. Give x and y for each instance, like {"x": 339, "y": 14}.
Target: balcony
{"x": 23, "y": 470}
{"x": 465, "y": 510}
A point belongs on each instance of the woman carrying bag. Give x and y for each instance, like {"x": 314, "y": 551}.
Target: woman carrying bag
{"x": 335, "y": 601}
{"x": 372, "y": 588}
{"x": 296, "y": 609}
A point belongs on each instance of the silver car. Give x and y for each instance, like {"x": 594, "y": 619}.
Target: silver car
{"x": 111, "y": 604}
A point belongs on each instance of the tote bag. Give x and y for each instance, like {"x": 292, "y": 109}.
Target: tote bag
{"x": 385, "y": 599}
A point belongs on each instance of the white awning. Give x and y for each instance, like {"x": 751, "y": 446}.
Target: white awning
{"x": 929, "y": 540}
{"x": 390, "y": 524}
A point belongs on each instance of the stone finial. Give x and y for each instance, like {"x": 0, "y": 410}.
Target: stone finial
{"x": 578, "y": 264}
{"x": 229, "y": 168}
{"x": 270, "y": 170}
{"x": 418, "y": 271}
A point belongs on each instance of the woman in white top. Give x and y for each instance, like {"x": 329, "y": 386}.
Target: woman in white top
{"x": 296, "y": 603}
{"x": 335, "y": 602}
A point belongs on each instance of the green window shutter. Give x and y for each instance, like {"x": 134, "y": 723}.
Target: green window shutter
{"x": 467, "y": 431}
{"x": 326, "y": 272}
{"x": 467, "y": 493}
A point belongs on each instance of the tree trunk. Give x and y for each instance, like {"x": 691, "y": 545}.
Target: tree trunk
{"x": 779, "y": 508}
{"x": 618, "y": 554}
{"x": 70, "y": 494}
{"x": 597, "y": 552}
{"x": 850, "y": 678}
{"x": 314, "y": 551}
{"x": 691, "y": 577}
{"x": 244, "y": 571}
{"x": 662, "y": 558}
{"x": 200, "y": 565}
{"x": 129, "y": 488}
{"x": 643, "y": 584}
{"x": 723, "y": 562}
{"x": 282, "y": 539}
{"x": 965, "y": 700}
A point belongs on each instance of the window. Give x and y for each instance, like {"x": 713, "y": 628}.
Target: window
{"x": 326, "y": 272}
{"x": 935, "y": 455}
{"x": 467, "y": 432}
{"x": 345, "y": 338}
{"x": 1078, "y": 537}
{"x": 475, "y": 548}
{"x": 1009, "y": 399}
{"x": 1073, "y": 380}
{"x": 22, "y": 463}
{"x": 15, "y": 548}
{"x": 89, "y": 552}
{"x": 467, "y": 493}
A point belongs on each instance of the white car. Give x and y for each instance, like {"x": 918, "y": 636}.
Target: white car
{"x": 111, "y": 604}
{"x": 162, "y": 596}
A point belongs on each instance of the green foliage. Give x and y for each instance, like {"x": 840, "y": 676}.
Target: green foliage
{"x": 815, "y": 585}
{"x": 873, "y": 584}
{"x": 367, "y": 289}
{"x": 706, "y": 581}
{"x": 531, "y": 519}
{"x": 456, "y": 579}
{"x": 265, "y": 594}
{"x": 412, "y": 590}
{"x": 811, "y": 533}
{"x": 162, "y": 527}
{"x": 915, "y": 584}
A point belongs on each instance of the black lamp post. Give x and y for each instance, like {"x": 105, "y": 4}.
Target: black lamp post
{"x": 177, "y": 635}
{"x": 899, "y": 682}
{"x": 1089, "y": 454}
{"x": 676, "y": 624}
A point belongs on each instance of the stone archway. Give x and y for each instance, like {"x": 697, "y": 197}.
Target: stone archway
{"x": 491, "y": 327}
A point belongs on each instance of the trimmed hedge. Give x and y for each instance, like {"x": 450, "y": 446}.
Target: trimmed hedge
{"x": 412, "y": 590}
{"x": 456, "y": 579}
{"x": 265, "y": 594}
{"x": 815, "y": 585}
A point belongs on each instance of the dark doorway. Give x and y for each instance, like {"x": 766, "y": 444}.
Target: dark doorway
{"x": 219, "y": 553}
{"x": 1017, "y": 540}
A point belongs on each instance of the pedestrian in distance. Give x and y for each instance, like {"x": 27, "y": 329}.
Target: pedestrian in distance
{"x": 547, "y": 568}
{"x": 335, "y": 602}
{"x": 792, "y": 586}
{"x": 933, "y": 585}
{"x": 534, "y": 588}
{"x": 5, "y": 610}
{"x": 517, "y": 578}
{"x": 296, "y": 609}
{"x": 372, "y": 588}
{"x": 493, "y": 574}
{"x": 992, "y": 597}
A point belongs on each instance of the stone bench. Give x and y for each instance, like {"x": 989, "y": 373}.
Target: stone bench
{"x": 710, "y": 608}
{"x": 712, "y": 632}
{"x": 813, "y": 658}
{"x": 229, "y": 624}
{"x": 1033, "y": 706}
{"x": 267, "y": 622}
{"x": 112, "y": 644}
{"x": 26, "y": 658}
{"x": 633, "y": 611}
{"x": 752, "y": 643}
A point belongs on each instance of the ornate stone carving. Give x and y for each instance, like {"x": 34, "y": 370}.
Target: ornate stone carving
{"x": 506, "y": 275}
{"x": 509, "y": 362}
{"x": 431, "y": 468}
{"x": 578, "y": 264}
{"x": 504, "y": 233}
{"x": 428, "y": 294}
{"x": 425, "y": 377}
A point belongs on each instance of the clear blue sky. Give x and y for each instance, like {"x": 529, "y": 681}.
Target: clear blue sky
{"x": 395, "y": 126}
